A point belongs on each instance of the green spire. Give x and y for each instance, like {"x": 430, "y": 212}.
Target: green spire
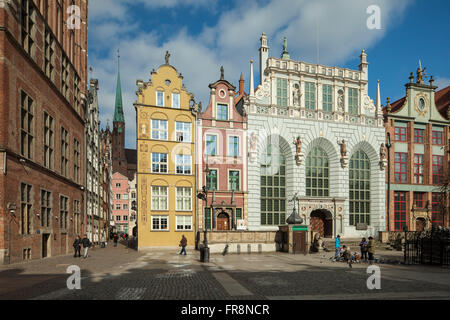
{"x": 118, "y": 112}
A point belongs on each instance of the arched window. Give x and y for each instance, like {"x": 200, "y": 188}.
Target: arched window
{"x": 317, "y": 174}
{"x": 273, "y": 187}
{"x": 359, "y": 179}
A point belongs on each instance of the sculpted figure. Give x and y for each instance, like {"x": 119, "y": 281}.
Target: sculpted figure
{"x": 298, "y": 145}
{"x": 343, "y": 148}
{"x": 382, "y": 152}
{"x": 167, "y": 57}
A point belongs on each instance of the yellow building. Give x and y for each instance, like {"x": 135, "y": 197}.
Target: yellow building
{"x": 166, "y": 115}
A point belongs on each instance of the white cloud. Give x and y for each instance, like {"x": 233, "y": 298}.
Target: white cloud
{"x": 442, "y": 82}
{"x": 232, "y": 42}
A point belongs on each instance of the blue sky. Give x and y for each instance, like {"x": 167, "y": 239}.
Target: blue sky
{"x": 202, "y": 35}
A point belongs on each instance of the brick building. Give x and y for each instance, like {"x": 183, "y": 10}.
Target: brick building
{"x": 418, "y": 130}
{"x": 121, "y": 210}
{"x": 43, "y": 90}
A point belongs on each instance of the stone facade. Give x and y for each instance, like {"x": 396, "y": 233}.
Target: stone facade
{"x": 294, "y": 119}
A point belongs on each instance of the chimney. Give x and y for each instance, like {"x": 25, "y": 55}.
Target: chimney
{"x": 241, "y": 85}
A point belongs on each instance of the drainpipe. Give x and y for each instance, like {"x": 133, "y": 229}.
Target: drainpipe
{"x": 335, "y": 218}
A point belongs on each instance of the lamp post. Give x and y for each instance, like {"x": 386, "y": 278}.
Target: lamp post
{"x": 204, "y": 252}
{"x": 388, "y": 146}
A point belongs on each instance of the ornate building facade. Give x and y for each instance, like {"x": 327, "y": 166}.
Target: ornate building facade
{"x": 314, "y": 138}
{"x": 418, "y": 128}
{"x": 222, "y": 151}
{"x": 166, "y": 115}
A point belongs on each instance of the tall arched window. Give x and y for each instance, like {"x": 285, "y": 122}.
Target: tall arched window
{"x": 317, "y": 173}
{"x": 273, "y": 187}
{"x": 359, "y": 179}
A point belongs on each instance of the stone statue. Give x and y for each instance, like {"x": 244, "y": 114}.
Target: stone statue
{"x": 284, "y": 44}
{"x": 298, "y": 145}
{"x": 296, "y": 95}
{"x": 382, "y": 152}
{"x": 222, "y": 72}
{"x": 253, "y": 141}
{"x": 167, "y": 57}
{"x": 341, "y": 101}
{"x": 343, "y": 148}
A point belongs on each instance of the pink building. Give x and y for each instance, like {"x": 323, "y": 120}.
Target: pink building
{"x": 222, "y": 130}
{"x": 120, "y": 212}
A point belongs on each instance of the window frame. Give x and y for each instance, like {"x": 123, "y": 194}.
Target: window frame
{"x": 160, "y": 163}
{"x": 160, "y": 132}
{"x": 232, "y": 145}
{"x": 219, "y": 112}
{"x": 183, "y": 198}
{"x": 160, "y": 198}
{"x": 419, "y": 164}
{"x": 175, "y": 94}
{"x": 160, "y": 218}
{"x": 400, "y": 163}
{"x": 183, "y": 224}
{"x": 157, "y": 96}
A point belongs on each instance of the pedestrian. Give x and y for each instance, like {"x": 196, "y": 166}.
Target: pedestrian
{"x": 347, "y": 256}
{"x": 126, "y": 236}
{"x": 363, "y": 245}
{"x": 183, "y": 244}
{"x": 338, "y": 247}
{"x": 103, "y": 240}
{"x": 77, "y": 247}
{"x": 86, "y": 244}
{"x": 115, "y": 239}
{"x": 371, "y": 250}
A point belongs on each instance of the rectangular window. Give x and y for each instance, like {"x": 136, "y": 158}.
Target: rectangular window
{"x": 176, "y": 100}
{"x": 76, "y": 161}
{"x": 282, "y": 100}
{"x": 211, "y": 180}
{"x": 160, "y": 98}
{"x": 118, "y": 185}
{"x": 238, "y": 214}
{"x": 76, "y": 217}
{"x": 233, "y": 180}
{"x": 419, "y": 199}
{"x": 125, "y": 196}
{"x": 400, "y": 134}
{"x": 208, "y": 218}
{"x": 63, "y": 212}
{"x": 310, "y": 95}
{"x": 160, "y": 198}
{"x": 160, "y": 223}
{"x": 76, "y": 92}
{"x": 438, "y": 137}
{"x": 25, "y": 208}
{"x": 222, "y": 112}
{"x": 184, "y": 199}
{"x": 49, "y": 137}
{"x": 159, "y": 129}
{"x": 211, "y": 145}
{"x": 118, "y": 196}
{"x": 118, "y": 218}
{"x": 133, "y": 195}
{"x": 233, "y": 146}
{"x": 125, "y": 218}
{"x": 184, "y": 222}
{"x": 159, "y": 163}
{"x": 26, "y": 25}
{"x": 184, "y": 164}
{"x": 65, "y": 76}
{"x": 27, "y": 126}
{"x": 48, "y": 53}
{"x": 438, "y": 170}
{"x": 437, "y": 209}
{"x": 352, "y": 101}
{"x": 64, "y": 152}
{"x": 401, "y": 167}
{"x": 327, "y": 97}
{"x": 418, "y": 168}
{"x": 399, "y": 210}
{"x": 125, "y": 206}
{"x": 46, "y": 208}
{"x": 183, "y": 131}
{"x": 418, "y": 135}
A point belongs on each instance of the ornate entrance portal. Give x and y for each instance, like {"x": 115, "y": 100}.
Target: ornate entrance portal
{"x": 223, "y": 221}
{"x": 322, "y": 222}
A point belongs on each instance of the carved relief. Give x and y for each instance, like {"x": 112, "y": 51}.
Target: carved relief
{"x": 383, "y": 160}
{"x": 344, "y": 157}
{"x": 144, "y": 204}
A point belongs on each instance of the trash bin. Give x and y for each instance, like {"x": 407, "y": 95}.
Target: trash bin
{"x": 204, "y": 254}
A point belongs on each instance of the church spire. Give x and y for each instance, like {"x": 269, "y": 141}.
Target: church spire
{"x": 118, "y": 111}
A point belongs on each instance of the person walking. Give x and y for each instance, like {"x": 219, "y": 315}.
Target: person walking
{"x": 338, "y": 247}
{"x": 103, "y": 240}
{"x": 77, "y": 247}
{"x": 363, "y": 245}
{"x": 86, "y": 244}
{"x": 183, "y": 244}
{"x": 371, "y": 250}
{"x": 115, "y": 239}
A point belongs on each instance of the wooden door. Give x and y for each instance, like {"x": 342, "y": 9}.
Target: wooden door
{"x": 420, "y": 225}
{"x": 44, "y": 245}
{"x": 299, "y": 239}
{"x": 223, "y": 224}
{"x": 318, "y": 225}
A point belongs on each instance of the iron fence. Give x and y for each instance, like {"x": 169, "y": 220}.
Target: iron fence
{"x": 431, "y": 247}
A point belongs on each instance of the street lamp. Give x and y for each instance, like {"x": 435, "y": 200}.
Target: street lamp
{"x": 204, "y": 252}
{"x": 388, "y": 146}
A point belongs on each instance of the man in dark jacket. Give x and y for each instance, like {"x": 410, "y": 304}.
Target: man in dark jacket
{"x": 77, "y": 246}
{"x": 183, "y": 244}
{"x": 115, "y": 239}
{"x": 86, "y": 244}
{"x": 371, "y": 250}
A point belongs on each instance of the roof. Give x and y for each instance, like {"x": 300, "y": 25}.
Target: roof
{"x": 442, "y": 100}
{"x": 118, "y": 110}
{"x": 131, "y": 155}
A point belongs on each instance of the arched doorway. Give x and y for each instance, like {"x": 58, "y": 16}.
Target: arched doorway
{"x": 223, "y": 221}
{"x": 420, "y": 224}
{"x": 322, "y": 221}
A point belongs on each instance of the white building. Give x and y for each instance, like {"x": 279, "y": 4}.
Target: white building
{"x": 314, "y": 131}
{"x": 132, "y": 195}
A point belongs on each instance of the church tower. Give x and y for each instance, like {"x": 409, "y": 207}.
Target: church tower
{"x": 118, "y": 135}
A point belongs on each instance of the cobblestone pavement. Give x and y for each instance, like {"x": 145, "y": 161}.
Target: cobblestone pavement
{"x": 124, "y": 274}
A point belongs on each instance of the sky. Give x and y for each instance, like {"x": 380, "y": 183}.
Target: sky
{"x": 203, "y": 35}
